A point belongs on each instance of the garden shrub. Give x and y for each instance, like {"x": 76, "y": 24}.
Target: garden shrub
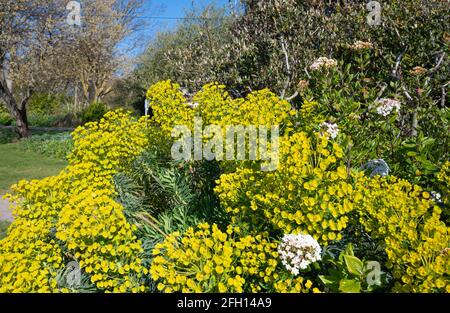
{"x": 56, "y": 218}
{"x": 45, "y": 104}
{"x": 169, "y": 106}
{"x": 93, "y": 112}
{"x": 45, "y": 110}
{"x": 315, "y": 190}
{"x": 309, "y": 192}
{"x": 135, "y": 220}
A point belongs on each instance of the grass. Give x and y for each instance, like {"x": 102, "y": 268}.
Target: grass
{"x": 17, "y": 164}
{"x": 3, "y": 228}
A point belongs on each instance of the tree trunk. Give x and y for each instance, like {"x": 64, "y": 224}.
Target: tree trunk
{"x": 92, "y": 93}
{"x": 18, "y": 112}
{"x": 20, "y": 115}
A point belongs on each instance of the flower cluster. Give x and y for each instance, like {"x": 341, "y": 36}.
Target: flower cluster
{"x": 331, "y": 129}
{"x": 302, "y": 85}
{"x": 385, "y": 106}
{"x": 417, "y": 70}
{"x": 298, "y": 251}
{"x": 309, "y": 192}
{"x": 207, "y": 259}
{"x": 169, "y": 105}
{"x": 323, "y": 62}
{"x": 215, "y": 107}
{"x": 261, "y": 107}
{"x": 360, "y": 45}
{"x": 405, "y": 218}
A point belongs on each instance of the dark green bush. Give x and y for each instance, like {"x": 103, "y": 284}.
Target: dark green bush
{"x": 93, "y": 112}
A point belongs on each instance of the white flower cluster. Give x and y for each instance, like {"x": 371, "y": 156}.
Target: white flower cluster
{"x": 436, "y": 196}
{"x": 331, "y": 128}
{"x": 298, "y": 251}
{"x": 193, "y": 105}
{"x": 323, "y": 62}
{"x": 385, "y": 106}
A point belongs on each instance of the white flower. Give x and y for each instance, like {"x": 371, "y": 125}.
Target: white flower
{"x": 385, "y": 106}
{"x": 323, "y": 62}
{"x": 331, "y": 128}
{"x": 298, "y": 251}
{"x": 436, "y": 196}
{"x": 193, "y": 104}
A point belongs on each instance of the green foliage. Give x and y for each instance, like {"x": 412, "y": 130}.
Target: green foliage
{"x": 57, "y": 145}
{"x": 45, "y": 103}
{"x": 161, "y": 196}
{"x": 348, "y": 273}
{"x": 5, "y": 116}
{"x": 413, "y": 142}
{"x": 7, "y": 136}
{"x": 93, "y": 112}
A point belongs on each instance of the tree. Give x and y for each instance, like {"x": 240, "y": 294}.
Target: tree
{"x": 41, "y": 52}
{"x": 91, "y": 52}
{"x": 27, "y": 31}
{"x": 193, "y": 54}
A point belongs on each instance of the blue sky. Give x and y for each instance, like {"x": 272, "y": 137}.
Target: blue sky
{"x": 162, "y": 15}
{"x": 171, "y": 9}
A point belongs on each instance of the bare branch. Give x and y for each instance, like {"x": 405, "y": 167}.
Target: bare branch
{"x": 288, "y": 66}
{"x": 395, "y": 70}
{"x": 438, "y": 64}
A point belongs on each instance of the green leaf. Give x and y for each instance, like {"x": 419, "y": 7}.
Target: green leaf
{"x": 348, "y": 250}
{"x": 354, "y": 265}
{"x": 428, "y": 141}
{"x": 328, "y": 280}
{"x": 349, "y": 286}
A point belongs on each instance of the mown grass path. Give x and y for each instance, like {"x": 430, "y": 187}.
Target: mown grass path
{"x": 17, "y": 164}
{"x": 5, "y": 211}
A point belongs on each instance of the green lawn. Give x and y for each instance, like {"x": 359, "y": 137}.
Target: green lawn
{"x": 17, "y": 163}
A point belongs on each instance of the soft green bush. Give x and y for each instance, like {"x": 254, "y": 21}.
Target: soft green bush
{"x": 5, "y": 116}
{"x": 45, "y": 103}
